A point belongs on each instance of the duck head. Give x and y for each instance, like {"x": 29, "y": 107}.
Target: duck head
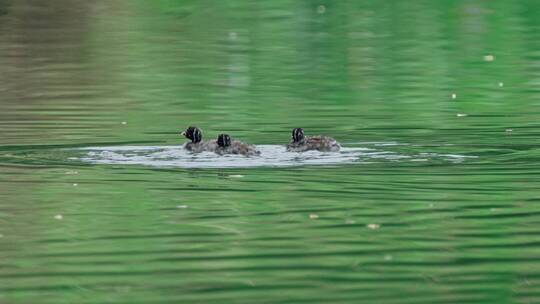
{"x": 298, "y": 134}
{"x": 193, "y": 133}
{"x": 224, "y": 140}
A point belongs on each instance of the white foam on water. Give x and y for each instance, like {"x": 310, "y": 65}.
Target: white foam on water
{"x": 177, "y": 156}
{"x": 271, "y": 156}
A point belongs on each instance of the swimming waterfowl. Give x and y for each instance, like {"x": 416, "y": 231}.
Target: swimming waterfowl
{"x": 197, "y": 144}
{"x": 301, "y": 143}
{"x": 228, "y": 146}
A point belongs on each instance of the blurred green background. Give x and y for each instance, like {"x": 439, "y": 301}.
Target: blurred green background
{"x": 84, "y": 73}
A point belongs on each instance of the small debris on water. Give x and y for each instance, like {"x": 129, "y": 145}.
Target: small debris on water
{"x": 454, "y": 96}
{"x": 75, "y": 185}
{"x": 501, "y": 84}
{"x": 236, "y": 176}
{"x": 182, "y": 206}
{"x": 58, "y": 217}
{"x": 461, "y": 115}
{"x": 313, "y": 216}
{"x": 124, "y": 122}
{"x": 321, "y": 9}
{"x": 489, "y": 58}
{"x": 373, "y": 226}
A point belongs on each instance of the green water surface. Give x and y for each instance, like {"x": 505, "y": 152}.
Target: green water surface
{"x": 77, "y": 73}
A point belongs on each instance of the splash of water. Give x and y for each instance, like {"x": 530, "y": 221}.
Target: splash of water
{"x": 271, "y": 156}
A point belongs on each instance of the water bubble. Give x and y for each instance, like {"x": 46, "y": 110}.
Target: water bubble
{"x": 236, "y": 176}
{"x": 461, "y": 115}
{"x": 124, "y": 122}
{"x": 454, "y": 96}
{"x": 501, "y": 84}
{"x": 75, "y": 185}
{"x": 58, "y": 217}
{"x": 321, "y": 9}
{"x": 313, "y": 216}
{"x": 182, "y": 206}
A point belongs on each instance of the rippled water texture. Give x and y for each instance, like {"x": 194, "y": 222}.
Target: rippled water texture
{"x": 433, "y": 199}
{"x": 271, "y": 156}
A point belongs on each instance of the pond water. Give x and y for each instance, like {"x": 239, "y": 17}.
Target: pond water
{"x": 434, "y": 197}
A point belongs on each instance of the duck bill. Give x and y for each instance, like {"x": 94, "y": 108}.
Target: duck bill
{"x": 183, "y": 133}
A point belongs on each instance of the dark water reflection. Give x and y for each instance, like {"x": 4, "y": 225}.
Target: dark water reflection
{"x": 94, "y": 73}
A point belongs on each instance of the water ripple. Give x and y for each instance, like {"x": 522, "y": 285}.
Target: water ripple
{"x": 271, "y": 156}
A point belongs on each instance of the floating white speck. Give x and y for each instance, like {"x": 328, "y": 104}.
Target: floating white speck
{"x": 321, "y": 9}
{"x": 388, "y": 257}
{"x": 313, "y": 216}
{"x": 72, "y": 172}
{"x": 350, "y": 222}
{"x": 501, "y": 84}
{"x": 75, "y": 185}
{"x": 236, "y": 176}
{"x": 373, "y": 226}
{"x": 182, "y": 206}
{"x": 124, "y": 122}
{"x": 508, "y": 130}
{"x": 461, "y": 115}
{"x": 489, "y": 58}
{"x": 58, "y": 217}
{"x": 454, "y": 96}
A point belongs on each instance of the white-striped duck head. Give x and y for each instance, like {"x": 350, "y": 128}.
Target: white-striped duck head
{"x": 224, "y": 140}
{"x": 298, "y": 134}
{"x": 193, "y": 133}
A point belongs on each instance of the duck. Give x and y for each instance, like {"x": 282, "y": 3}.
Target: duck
{"x": 228, "y": 146}
{"x": 197, "y": 145}
{"x": 302, "y": 143}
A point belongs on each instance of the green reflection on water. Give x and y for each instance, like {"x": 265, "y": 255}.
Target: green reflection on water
{"x": 362, "y": 71}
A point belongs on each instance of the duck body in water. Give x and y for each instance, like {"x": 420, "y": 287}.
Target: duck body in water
{"x": 228, "y": 146}
{"x": 196, "y": 144}
{"x": 302, "y": 143}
